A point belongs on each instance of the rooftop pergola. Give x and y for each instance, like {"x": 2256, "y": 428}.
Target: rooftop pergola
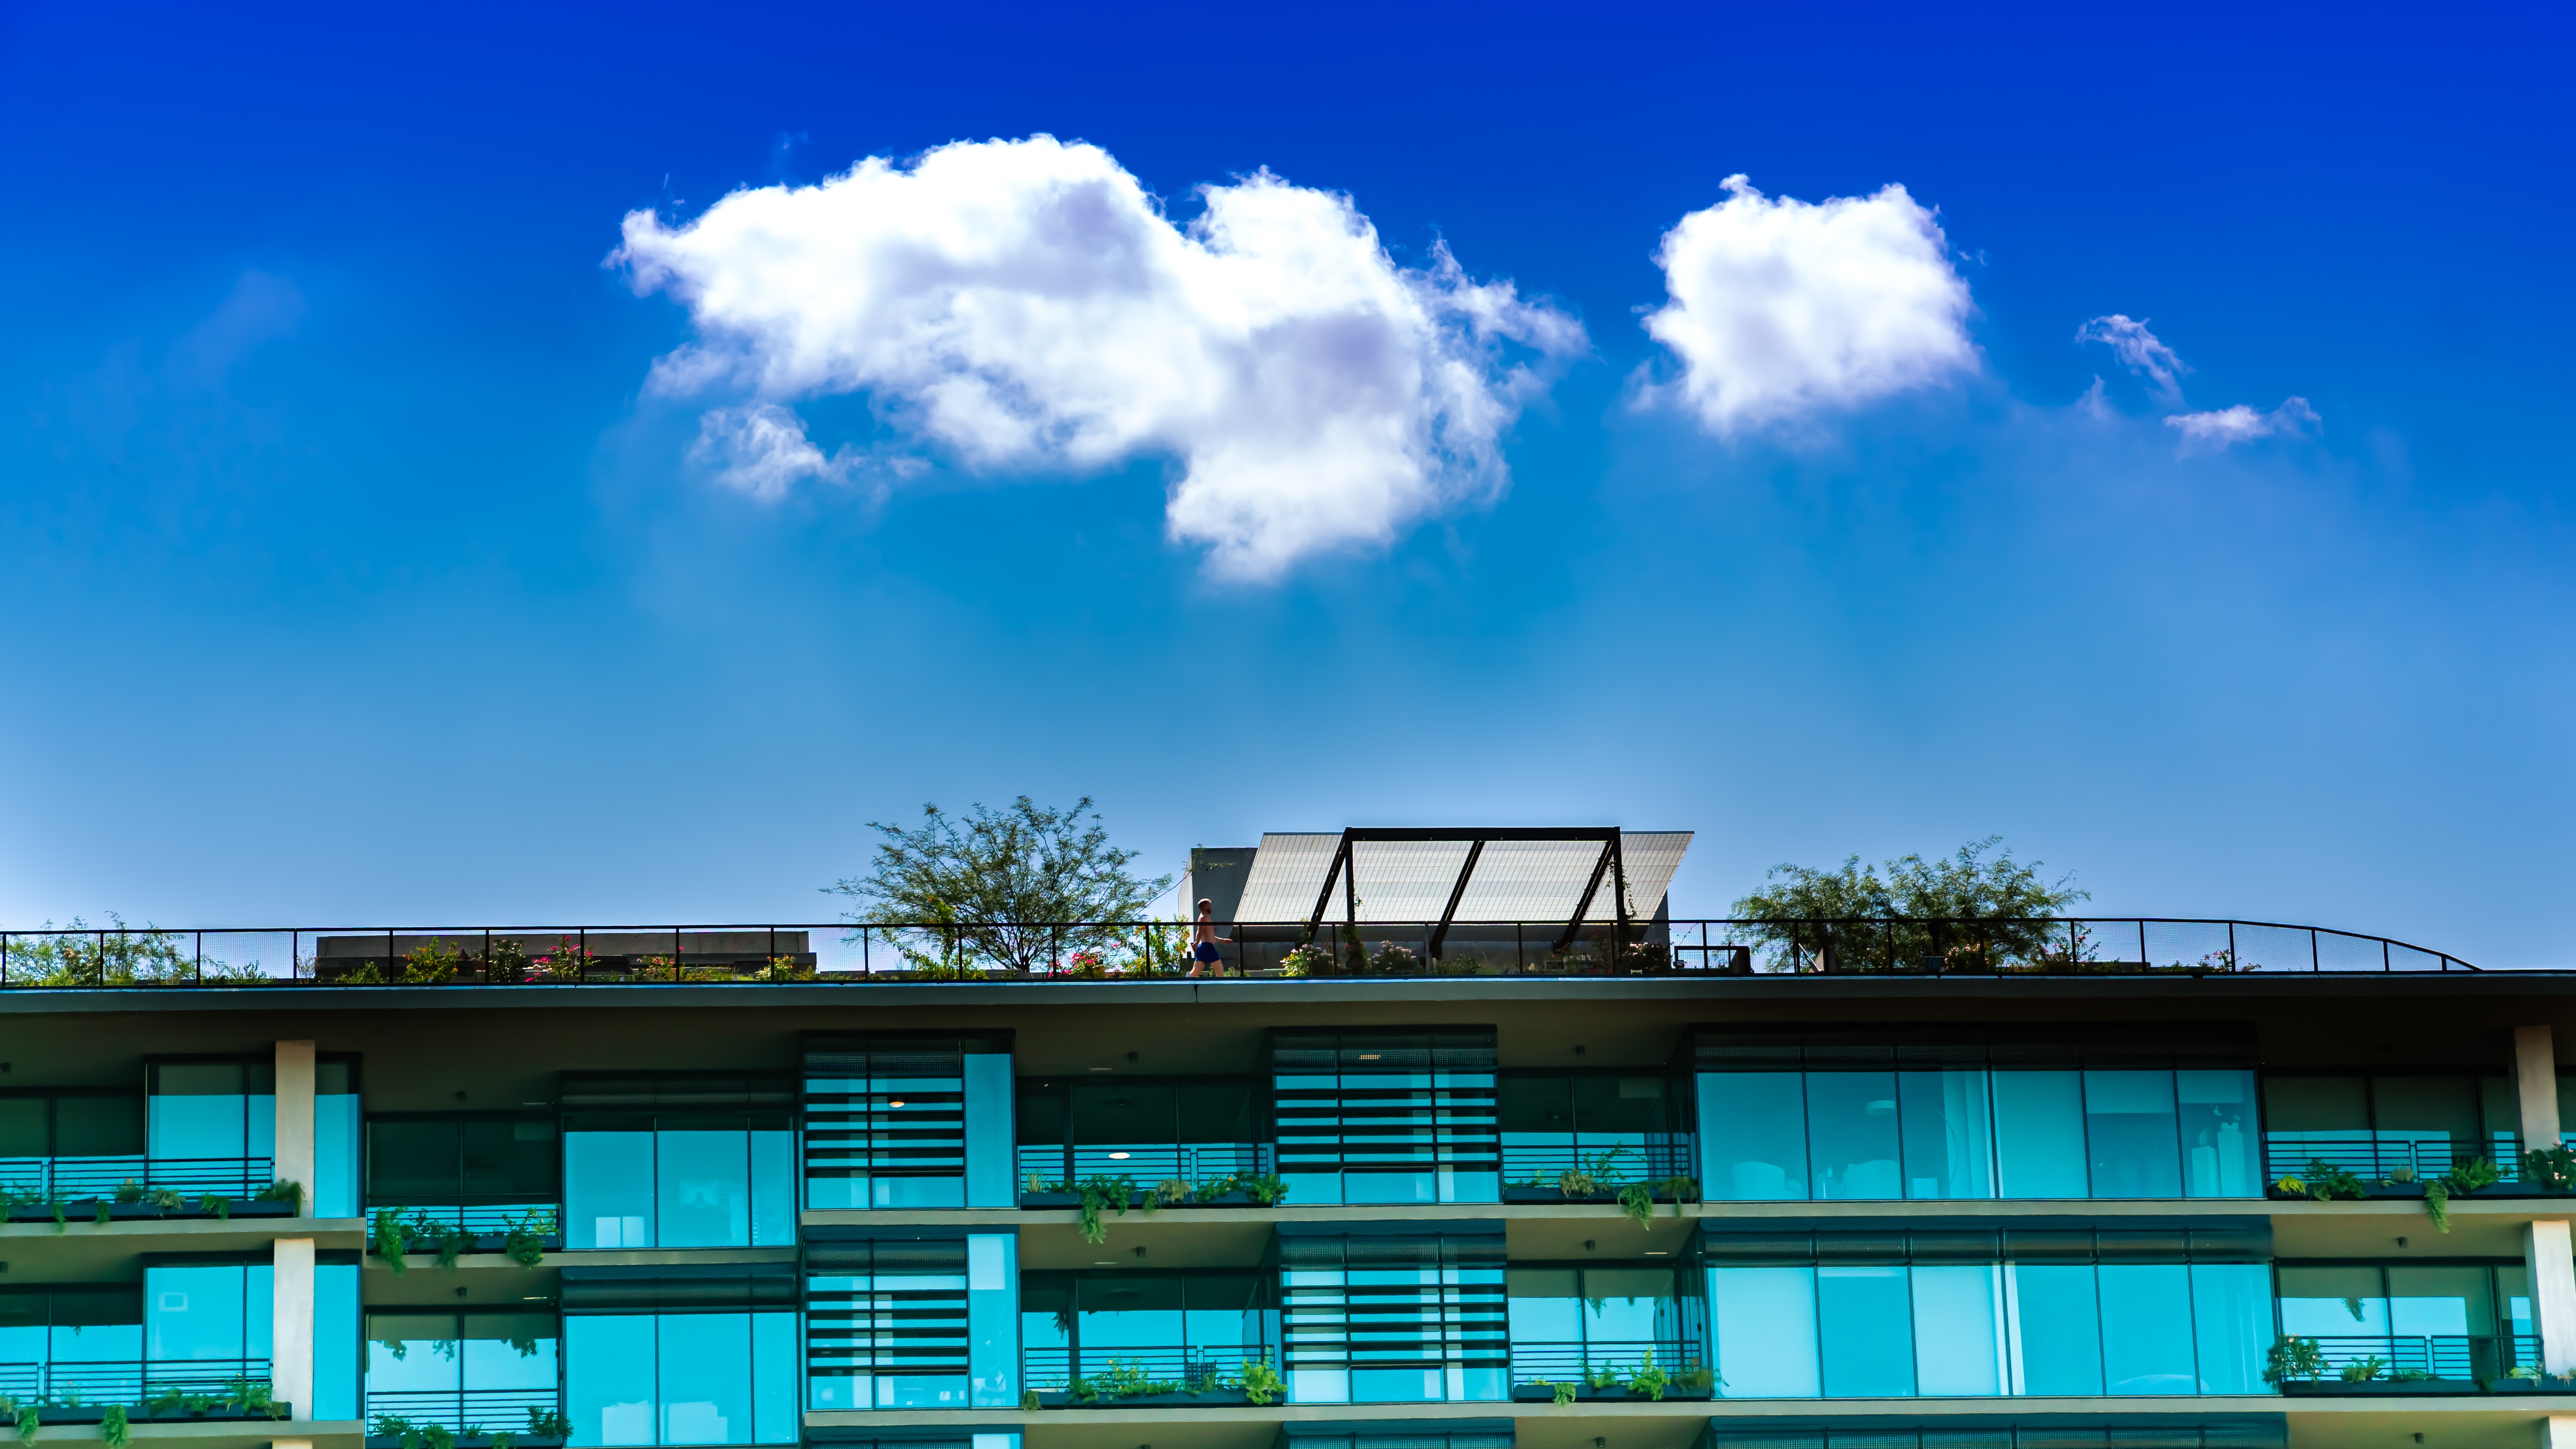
{"x": 1443, "y": 877}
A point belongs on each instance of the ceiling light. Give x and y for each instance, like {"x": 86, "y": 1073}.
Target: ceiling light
{"x": 1118, "y": 1157}
{"x": 1368, "y": 1056}
{"x": 894, "y": 1104}
{"x": 1656, "y": 1252}
{"x": 1103, "y": 1069}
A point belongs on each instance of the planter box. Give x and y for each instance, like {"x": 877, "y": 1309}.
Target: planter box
{"x": 135, "y": 1414}
{"x": 479, "y": 1441}
{"x": 1034, "y": 1200}
{"x": 1214, "y": 1398}
{"x": 2377, "y": 1388}
{"x": 85, "y": 1210}
{"x": 1585, "y": 1394}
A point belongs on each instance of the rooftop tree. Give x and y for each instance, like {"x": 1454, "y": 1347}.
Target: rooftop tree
{"x": 1966, "y": 911}
{"x": 1012, "y": 885}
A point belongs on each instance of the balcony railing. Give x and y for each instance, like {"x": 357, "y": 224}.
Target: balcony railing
{"x": 482, "y": 1220}
{"x": 858, "y": 952}
{"x": 2443, "y": 1356}
{"x": 125, "y": 1382}
{"x": 1146, "y": 1166}
{"x": 73, "y": 1178}
{"x": 1557, "y": 1167}
{"x": 459, "y": 1411}
{"x": 1600, "y": 1365}
{"x": 1108, "y": 1374}
{"x": 2377, "y": 1157}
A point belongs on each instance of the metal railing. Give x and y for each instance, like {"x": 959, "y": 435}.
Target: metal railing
{"x": 148, "y": 957}
{"x": 1148, "y": 1166}
{"x": 459, "y": 1411}
{"x": 1608, "y": 1165}
{"x": 2388, "y": 1156}
{"x": 90, "y": 1177}
{"x": 1579, "y": 1363}
{"x": 483, "y": 1220}
{"x": 2441, "y": 1356}
{"x": 129, "y": 1381}
{"x": 1112, "y": 1373}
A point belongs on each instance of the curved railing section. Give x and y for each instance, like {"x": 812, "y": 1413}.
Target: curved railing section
{"x": 882, "y": 951}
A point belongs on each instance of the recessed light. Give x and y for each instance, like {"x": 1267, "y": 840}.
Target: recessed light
{"x": 1656, "y": 1253}
{"x": 1103, "y": 1069}
{"x": 1118, "y": 1157}
{"x": 1103, "y": 1263}
{"x": 894, "y": 1104}
{"x": 1368, "y": 1056}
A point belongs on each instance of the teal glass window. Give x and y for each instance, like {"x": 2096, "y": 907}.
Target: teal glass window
{"x": 2371, "y": 1125}
{"x": 2449, "y": 1321}
{"x": 1570, "y": 1322}
{"x": 674, "y": 1378}
{"x": 1619, "y": 1127}
{"x": 2063, "y": 1312}
{"x": 486, "y": 1172}
{"x": 908, "y": 1120}
{"x": 698, "y": 1161}
{"x": 336, "y": 1128}
{"x": 460, "y": 1369}
{"x": 64, "y": 1343}
{"x": 1972, "y": 1113}
{"x": 336, "y": 1318}
{"x": 206, "y": 1323}
{"x": 1197, "y": 1129}
{"x": 1190, "y": 1328}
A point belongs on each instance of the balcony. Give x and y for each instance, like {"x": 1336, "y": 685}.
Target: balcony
{"x": 2402, "y": 1364}
{"x": 128, "y": 1381}
{"x": 886, "y": 952}
{"x": 1150, "y": 1375}
{"x": 136, "y": 1187}
{"x": 1597, "y": 1172}
{"x": 1051, "y": 1175}
{"x": 527, "y": 1415}
{"x": 522, "y": 1229}
{"x": 1598, "y": 1371}
{"x": 2391, "y": 1163}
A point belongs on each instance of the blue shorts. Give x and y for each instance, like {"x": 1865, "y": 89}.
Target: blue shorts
{"x": 1207, "y": 951}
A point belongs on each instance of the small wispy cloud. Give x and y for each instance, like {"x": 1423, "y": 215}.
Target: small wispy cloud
{"x": 2144, "y": 353}
{"x": 2226, "y": 427}
{"x": 1782, "y": 309}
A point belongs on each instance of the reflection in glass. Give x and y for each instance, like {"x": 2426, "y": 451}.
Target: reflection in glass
{"x": 2231, "y": 1325}
{"x": 2129, "y": 1122}
{"x": 1949, "y": 1137}
{"x": 2039, "y": 1134}
{"x": 1765, "y": 1325}
{"x": 680, "y": 1378}
{"x": 2221, "y": 1144}
{"x": 1958, "y": 1329}
{"x": 1753, "y": 1135}
{"x": 2146, "y": 1328}
{"x": 1866, "y": 1322}
{"x": 1851, "y": 1134}
{"x": 2056, "y": 1329}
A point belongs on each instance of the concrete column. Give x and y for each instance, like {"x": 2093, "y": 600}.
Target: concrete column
{"x": 2558, "y": 1431}
{"x": 295, "y": 1122}
{"x": 2535, "y": 1077}
{"x": 290, "y": 1373}
{"x": 2546, "y": 1253}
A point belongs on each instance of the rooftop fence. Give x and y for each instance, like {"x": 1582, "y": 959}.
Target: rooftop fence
{"x": 885, "y": 952}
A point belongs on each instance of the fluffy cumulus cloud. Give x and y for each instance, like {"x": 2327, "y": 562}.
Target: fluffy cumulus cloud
{"x": 1782, "y": 310}
{"x": 2227, "y": 427}
{"x": 1026, "y": 305}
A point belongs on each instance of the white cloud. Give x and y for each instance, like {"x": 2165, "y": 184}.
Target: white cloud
{"x": 2145, "y": 354}
{"x": 1781, "y": 309}
{"x": 1026, "y": 305}
{"x": 2227, "y": 427}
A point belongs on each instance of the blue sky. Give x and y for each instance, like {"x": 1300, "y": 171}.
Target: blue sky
{"x": 356, "y": 571}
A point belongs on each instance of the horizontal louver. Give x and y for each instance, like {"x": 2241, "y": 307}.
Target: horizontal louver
{"x": 886, "y": 1308}
{"x": 1392, "y": 1102}
{"x": 1393, "y": 1303}
{"x": 885, "y": 1108}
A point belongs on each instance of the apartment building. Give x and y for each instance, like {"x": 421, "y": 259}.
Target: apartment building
{"x": 1441, "y": 1160}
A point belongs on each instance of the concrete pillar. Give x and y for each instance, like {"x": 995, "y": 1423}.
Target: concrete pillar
{"x": 2558, "y": 1431}
{"x": 295, "y": 1120}
{"x": 290, "y": 1373}
{"x": 2535, "y": 1078}
{"x": 2553, "y": 1292}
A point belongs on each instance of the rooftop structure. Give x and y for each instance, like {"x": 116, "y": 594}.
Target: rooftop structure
{"x": 1503, "y": 1168}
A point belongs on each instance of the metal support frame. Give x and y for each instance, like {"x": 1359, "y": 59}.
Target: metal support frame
{"x": 1344, "y": 871}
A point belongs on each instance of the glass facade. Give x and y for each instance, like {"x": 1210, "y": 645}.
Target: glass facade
{"x": 1617, "y": 1126}
{"x": 1386, "y": 1117}
{"x": 1403, "y": 1318}
{"x": 2373, "y": 1123}
{"x": 700, "y": 1360}
{"x": 909, "y": 1120}
{"x": 1570, "y": 1322}
{"x": 463, "y": 1369}
{"x": 487, "y": 1170}
{"x": 914, "y": 1323}
{"x": 2050, "y": 1313}
{"x": 1185, "y": 1328}
{"x": 1933, "y": 1119}
{"x": 2446, "y": 1320}
{"x": 678, "y": 1161}
{"x": 65, "y": 1343}
{"x": 1196, "y": 1129}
